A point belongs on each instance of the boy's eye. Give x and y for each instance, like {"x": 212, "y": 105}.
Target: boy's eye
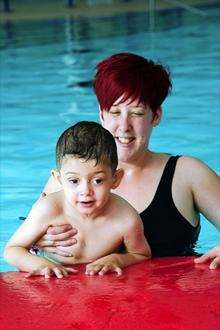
{"x": 74, "y": 181}
{"x": 98, "y": 181}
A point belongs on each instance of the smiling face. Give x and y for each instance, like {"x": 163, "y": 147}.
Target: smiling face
{"x": 131, "y": 125}
{"x": 87, "y": 185}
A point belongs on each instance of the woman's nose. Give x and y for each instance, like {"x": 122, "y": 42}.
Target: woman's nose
{"x": 124, "y": 123}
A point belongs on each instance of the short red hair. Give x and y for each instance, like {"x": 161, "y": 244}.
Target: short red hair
{"x": 133, "y": 76}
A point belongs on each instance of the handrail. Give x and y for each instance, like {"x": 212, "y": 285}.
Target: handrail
{"x": 6, "y": 5}
{"x": 187, "y": 7}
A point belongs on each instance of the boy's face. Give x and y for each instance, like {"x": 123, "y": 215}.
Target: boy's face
{"x": 86, "y": 185}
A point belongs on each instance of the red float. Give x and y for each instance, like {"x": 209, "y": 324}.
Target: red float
{"x": 164, "y": 293}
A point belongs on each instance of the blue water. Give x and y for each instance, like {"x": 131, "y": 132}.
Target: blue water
{"x": 43, "y": 66}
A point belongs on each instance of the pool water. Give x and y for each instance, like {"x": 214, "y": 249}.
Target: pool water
{"x": 47, "y": 68}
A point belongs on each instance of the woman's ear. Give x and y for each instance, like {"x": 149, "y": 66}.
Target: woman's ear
{"x": 100, "y": 115}
{"x": 118, "y": 175}
{"x": 157, "y": 116}
{"x": 56, "y": 174}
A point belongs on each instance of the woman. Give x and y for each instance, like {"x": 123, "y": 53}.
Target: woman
{"x": 168, "y": 192}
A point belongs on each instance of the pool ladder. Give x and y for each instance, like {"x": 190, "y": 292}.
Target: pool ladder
{"x": 152, "y": 4}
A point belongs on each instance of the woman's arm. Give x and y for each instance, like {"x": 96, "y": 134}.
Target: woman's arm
{"x": 52, "y": 185}
{"x": 57, "y": 236}
{"x": 212, "y": 255}
{"x": 205, "y": 187}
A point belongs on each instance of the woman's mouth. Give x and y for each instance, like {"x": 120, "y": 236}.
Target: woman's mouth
{"x": 124, "y": 140}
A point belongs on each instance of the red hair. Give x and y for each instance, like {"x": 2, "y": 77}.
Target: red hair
{"x": 134, "y": 77}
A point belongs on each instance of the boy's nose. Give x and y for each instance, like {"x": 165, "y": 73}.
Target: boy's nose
{"x": 85, "y": 189}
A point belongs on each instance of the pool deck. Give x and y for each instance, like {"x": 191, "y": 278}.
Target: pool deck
{"x": 26, "y": 10}
{"x": 161, "y": 294}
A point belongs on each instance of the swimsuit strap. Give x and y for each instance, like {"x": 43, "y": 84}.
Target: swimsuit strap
{"x": 164, "y": 189}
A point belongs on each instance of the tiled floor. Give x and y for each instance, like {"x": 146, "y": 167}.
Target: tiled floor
{"x": 34, "y": 9}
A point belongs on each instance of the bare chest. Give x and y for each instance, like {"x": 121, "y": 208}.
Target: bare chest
{"x": 93, "y": 242}
{"x": 139, "y": 191}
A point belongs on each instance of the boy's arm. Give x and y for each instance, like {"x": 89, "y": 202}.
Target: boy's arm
{"x": 137, "y": 250}
{"x": 17, "y": 249}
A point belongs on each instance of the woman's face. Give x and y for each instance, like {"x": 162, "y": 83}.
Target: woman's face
{"x": 131, "y": 125}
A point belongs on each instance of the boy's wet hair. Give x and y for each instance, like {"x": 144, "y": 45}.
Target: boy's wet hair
{"x": 90, "y": 141}
{"x": 133, "y": 77}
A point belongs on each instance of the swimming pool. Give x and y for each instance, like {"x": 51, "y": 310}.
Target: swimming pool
{"x": 46, "y": 86}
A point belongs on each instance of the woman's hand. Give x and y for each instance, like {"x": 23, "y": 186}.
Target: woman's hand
{"x": 213, "y": 254}
{"x": 56, "y": 238}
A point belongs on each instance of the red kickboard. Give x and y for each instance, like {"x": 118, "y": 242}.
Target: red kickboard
{"x": 164, "y": 293}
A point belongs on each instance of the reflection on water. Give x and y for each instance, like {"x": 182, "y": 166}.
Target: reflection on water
{"x": 48, "y": 68}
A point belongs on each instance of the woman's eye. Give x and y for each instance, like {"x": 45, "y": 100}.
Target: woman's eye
{"x": 114, "y": 112}
{"x": 137, "y": 114}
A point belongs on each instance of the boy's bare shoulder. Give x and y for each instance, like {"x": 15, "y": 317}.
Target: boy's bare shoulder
{"x": 125, "y": 212}
{"x": 48, "y": 207}
{"x": 121, "y": 202}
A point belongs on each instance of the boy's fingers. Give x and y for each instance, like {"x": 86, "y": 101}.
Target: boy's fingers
{"x": 58, "y": 272}
{"x": 215, "y": 263}
{"x": 71, "y": 270}
{"x": 104, "y": 270}
{"x": 30, "y": 274}
{"x": 47, "y": 272}
{"x": 89, "y": 267}
{"x": 90, "y": 272}
{"x": 93, "y": 269}
{"x": 118, "y": 270}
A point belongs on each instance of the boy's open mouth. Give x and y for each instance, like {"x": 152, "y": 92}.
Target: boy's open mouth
{"x": 86, "y": 203}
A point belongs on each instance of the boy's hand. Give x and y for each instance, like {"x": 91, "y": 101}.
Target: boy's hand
{"x": 102, "y": 267}
{"x": 52, "y": 269}
{"x": 58, "y": 236}
{"x": 213, "y": 254}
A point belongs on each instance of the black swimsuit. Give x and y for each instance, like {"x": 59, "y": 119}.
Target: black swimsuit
{"x": 166, "y": 230}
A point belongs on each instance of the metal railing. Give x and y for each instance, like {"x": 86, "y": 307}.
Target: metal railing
{"x": 152, "y": 5}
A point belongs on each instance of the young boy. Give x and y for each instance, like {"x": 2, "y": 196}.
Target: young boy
{"x": 86, "y": 157}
